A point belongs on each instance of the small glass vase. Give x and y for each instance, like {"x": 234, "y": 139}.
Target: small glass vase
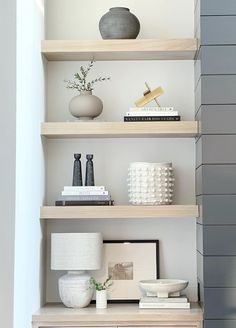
{"x": 101, "y": 299}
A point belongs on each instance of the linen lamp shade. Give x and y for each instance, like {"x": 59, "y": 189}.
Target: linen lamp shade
{"x": 76, "y": 251}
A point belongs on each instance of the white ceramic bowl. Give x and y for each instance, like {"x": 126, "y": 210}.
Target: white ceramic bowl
{"x": 163, "y": 287}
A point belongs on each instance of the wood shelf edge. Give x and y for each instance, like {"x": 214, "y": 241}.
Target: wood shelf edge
{"x": 56, "y": 130}
{"x": 166, "y": 49}
{"x": 119, "y": 212}
{"x": 48, "y": 45}
{"x": 116, "y": 313}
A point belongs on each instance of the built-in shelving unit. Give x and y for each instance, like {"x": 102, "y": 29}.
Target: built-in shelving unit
{"x": 119, "y": 212}
{"x": 117, "y": 315}
{"x": 138, "y": 49}
{"x": 61, "y": 130}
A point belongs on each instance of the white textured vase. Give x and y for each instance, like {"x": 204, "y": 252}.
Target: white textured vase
{"x": 150, "y": 183}
{"x": 75, "y": 290}
{"x": 101, "y": 299}
{"x": 85, "y": 106}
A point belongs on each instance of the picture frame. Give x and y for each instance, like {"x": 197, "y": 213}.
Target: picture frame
{"x": 128, "y": 262}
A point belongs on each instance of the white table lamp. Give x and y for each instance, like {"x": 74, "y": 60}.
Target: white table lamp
{"x": 76, "y": 252}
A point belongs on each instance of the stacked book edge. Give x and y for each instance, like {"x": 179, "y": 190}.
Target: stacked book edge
{"x": 164, "y": 303}
{"x": 82, "y": 196}
{"x": 151, "y": 118}
{"x": 143, "y": 114}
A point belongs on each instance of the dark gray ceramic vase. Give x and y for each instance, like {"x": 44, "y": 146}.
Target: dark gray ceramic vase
{"x": 119, "y": 23}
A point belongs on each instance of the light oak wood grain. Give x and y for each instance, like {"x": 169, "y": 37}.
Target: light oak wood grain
{"x": 118, "y": 212}
{"x": 138, "y": 49}
{"x": 120, "y": 315}
{"x": 119, "y": 129}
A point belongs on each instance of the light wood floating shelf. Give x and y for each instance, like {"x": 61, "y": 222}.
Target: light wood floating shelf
{"x": 118, "y": 212}
{"x": 138, "y": 49}
{"x": 61, "y": 130}
{"x": 117, "y": 314}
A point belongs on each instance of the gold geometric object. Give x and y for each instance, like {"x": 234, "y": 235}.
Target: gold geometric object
{"x": 149, "y": 95}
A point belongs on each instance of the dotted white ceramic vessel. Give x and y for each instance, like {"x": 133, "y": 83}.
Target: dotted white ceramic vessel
{"x": 150, "y": 183}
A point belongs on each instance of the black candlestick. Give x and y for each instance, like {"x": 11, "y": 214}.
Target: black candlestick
{"x": 77, "y": 171}
{"x": 89, "y": 176}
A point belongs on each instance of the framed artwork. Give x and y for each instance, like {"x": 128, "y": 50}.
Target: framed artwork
{"x": 128, "y": 262}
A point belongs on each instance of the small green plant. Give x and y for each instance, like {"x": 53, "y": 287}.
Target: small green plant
{"x": 81, "y": 83}
{"x": 99, "y": 285}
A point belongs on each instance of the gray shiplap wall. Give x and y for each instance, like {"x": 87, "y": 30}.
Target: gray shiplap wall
{"x": 215, "y": 93}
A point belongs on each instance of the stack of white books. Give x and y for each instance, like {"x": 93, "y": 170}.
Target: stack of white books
{"x": 180, "y": 302}
{"x": 152, "y": 114}
{"x": 88, "y": 195}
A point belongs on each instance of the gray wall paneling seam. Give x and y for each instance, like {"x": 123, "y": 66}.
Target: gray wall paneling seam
{"x": 215, "y": 106}
{"x": 218, "y": 7}
{"x": 217, "y": 209}
{"x": 216, "y": 179}
{"x": 216, "y": 90}
{"x": 217, "y": 119}
{"x": 220, "y": 324}
{"x": 216, "y": 240}
{"x": 213, "y": 60}
{"x": 216, "y": 149}
{"x": 211, "y": 270}
{"x": 217, "y": 30}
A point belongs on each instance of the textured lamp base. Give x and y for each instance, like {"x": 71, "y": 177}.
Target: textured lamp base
{"x": 75, "y": 290}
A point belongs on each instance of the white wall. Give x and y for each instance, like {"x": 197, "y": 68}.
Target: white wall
{"x": 29, "y": 267}
{"x": 74, "y": 19}
{"x": 78, "y": 19}
{"x": 7, "y": 158}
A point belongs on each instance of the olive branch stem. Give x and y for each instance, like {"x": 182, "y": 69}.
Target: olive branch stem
{"x": 80, "y": 82}
{"x": 99, "y": 285}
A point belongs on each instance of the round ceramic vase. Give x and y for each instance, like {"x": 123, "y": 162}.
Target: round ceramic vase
{"x": 85, "y": 106}
{"x": 119, "y": 23}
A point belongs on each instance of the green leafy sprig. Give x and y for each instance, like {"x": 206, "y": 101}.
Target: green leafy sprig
{"x": 100, "y": 286}
{"x": 80, "y": 82}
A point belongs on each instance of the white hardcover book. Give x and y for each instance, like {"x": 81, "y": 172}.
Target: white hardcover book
{"x": 153, "y": 108}
{"x": 84, "y": 188}
{"x": 84, "y": 197}
{"x": 150, "y": 299}
{"x": 153, "y": 113}
{"x": 164, "y": 305}
{"x": 84, "y": 193}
